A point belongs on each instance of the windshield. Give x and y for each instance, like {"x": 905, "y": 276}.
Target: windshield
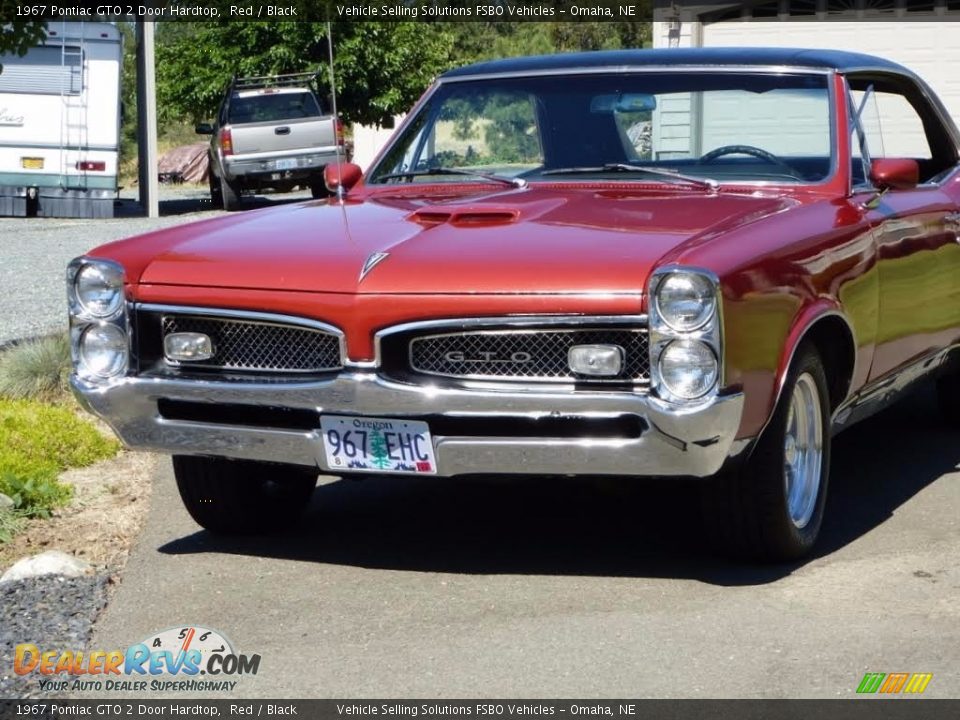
{"x": 717, "y": 126}
{"x": 273, "y": 106}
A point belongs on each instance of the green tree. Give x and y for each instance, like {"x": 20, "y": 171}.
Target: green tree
{"x": 16, "y": 38}
{"x": 378, "y": 450}
{"x": 381, "y": 68}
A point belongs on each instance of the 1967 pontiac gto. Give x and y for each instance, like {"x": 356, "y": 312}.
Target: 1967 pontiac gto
{"x": 642, "y": 263}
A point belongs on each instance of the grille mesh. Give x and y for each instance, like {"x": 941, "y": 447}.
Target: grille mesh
{"x": 260, "y": 346}
{"x": 491, "y": 354}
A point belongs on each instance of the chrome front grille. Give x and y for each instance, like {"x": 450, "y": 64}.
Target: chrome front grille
{"x": 260, "y": 345}
{"x": 528, "y": 354}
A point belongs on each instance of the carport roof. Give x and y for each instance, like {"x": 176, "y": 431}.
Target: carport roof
{"x": 672, "y": 57}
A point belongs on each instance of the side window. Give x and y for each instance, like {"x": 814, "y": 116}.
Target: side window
{"x": 898, "y": 120}
{"x": 892, "y": 126}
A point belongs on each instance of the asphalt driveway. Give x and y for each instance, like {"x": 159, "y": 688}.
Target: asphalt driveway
{"x": 561, "y": 588}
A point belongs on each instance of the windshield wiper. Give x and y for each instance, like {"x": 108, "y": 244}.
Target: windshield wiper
{"x": 515, "y": 181}
{"x": 707, "y": 183}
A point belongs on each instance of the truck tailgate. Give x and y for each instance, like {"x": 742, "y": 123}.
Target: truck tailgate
{"x": 285, "y": 136}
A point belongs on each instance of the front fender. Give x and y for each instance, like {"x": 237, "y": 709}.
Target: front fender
{"x": 760, "y": 352}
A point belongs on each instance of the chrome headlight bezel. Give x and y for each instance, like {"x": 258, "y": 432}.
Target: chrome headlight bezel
{"x": 707, "y": 330}
{"x": 85, "y": 317}
{"x": 121, "y": 356}
{"x": 712, "y": 373}
{"x": 83, "y": 303}
{"x": 702, "y": 293}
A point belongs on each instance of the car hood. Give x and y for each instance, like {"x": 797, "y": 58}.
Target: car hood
{"x": 533, "y": 240}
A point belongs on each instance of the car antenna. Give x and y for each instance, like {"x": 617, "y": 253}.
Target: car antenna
{"x": 336, "y": 117}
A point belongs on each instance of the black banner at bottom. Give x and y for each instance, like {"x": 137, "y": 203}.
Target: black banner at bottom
{"x": 859, "y": 709}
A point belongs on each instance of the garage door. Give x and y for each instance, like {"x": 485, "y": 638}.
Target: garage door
{"x": 930, "y": 49}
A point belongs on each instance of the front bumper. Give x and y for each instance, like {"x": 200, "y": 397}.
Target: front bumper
{"x": 688, "y": 442}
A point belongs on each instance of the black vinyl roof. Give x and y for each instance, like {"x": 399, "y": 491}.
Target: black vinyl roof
{"x": 743, "y": 56}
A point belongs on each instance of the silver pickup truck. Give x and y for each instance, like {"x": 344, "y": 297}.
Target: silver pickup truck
{"x": 271, "y": 132}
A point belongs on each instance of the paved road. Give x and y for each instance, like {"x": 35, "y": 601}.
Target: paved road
{"x": 451, "y": 588}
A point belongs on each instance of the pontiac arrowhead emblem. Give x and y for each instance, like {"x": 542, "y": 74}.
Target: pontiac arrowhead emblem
{"x": 371, "y": 263}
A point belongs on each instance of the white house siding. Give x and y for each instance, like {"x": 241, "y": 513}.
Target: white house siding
{"x": 929, "y": 48}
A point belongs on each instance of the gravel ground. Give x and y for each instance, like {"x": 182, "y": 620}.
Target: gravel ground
{"x": 35, "y": 251}
{"x": 55, "y": 612}
{"x": 51, "y": 612}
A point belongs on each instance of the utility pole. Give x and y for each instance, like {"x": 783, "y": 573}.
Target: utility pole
{"x": 147, "y": 119}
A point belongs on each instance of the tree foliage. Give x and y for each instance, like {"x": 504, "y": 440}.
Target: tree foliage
{"x": 16, "y": 38}
{"x": 380, "y": 68}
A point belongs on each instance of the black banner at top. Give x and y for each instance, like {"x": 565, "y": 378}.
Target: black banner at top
{"x": 477, "y": 10}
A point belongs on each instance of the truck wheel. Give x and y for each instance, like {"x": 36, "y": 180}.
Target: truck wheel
{"x": 242, "y": 497}
{"x": 948, "y": 398}
{"x": 216, "y": 197}
{"x": 230, "y": 191}
{"x": 770, "y": 506}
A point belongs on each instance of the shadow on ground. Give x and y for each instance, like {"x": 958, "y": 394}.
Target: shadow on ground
{"x": 187, "y": 201}
{"x": 602, "y": 527}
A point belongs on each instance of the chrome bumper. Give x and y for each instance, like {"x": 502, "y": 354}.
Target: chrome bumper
{"x": 687, "y": 442}
{"x": 264, "y": 167}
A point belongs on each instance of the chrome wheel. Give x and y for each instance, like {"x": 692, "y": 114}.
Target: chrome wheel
{"x": 803, "y": 450}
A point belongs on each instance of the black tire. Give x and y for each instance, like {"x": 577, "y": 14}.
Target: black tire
{"x": 948, "y": 398}
{"x": 231, "y": 194}
{"x": 242, "y": 497}
{"x": 216, "y": 197}
{"x": 746, "y": 506}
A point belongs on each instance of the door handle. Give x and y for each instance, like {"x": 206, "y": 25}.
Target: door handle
{"x": 282, "y": 130}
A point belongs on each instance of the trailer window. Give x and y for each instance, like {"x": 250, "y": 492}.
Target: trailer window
{"x": 44, "y": 71}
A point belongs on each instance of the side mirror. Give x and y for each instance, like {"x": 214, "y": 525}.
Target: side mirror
{"x": 204, "y": 129}
{"x": 342, "y": 175}
{"x": 894, "y": 173}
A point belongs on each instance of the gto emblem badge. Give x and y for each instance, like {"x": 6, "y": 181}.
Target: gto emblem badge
{"x": 456, "y": 356}
{"x": 371, "y": 263}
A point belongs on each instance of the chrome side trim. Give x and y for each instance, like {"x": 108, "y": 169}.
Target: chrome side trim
{"x": 881, "y": 393}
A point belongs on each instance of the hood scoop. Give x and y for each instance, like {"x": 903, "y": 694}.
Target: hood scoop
{"x": 465, "y": 217}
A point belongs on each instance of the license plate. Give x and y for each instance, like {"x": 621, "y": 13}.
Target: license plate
{"x": 380, "y": 445}
{"x": 288, "y": 164}
{"x": 31, "y": 163}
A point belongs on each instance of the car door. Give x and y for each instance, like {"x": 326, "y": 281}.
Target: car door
{"x": 917, "y": 252}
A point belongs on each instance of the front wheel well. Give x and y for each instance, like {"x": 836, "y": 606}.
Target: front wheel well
{"x": 833, "y": 340}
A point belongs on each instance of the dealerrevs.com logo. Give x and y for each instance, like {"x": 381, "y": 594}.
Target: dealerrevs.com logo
{"x": 181, "y": 659}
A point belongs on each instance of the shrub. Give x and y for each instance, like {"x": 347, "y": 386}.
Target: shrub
{"x": 39, "y": 441}
{"x": 36, "y": 369}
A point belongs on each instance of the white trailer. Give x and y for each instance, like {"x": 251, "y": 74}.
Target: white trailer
{"x": 60, "y": 123}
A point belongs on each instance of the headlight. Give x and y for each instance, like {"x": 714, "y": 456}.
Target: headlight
{"x": 99, "y": 289}
{"x": 103, "y": 351}
{"x": 685, "y": 301}
{"x": 688, "y": 369}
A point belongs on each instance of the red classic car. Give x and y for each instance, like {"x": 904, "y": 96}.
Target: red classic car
{"x": 640, "y": 263}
